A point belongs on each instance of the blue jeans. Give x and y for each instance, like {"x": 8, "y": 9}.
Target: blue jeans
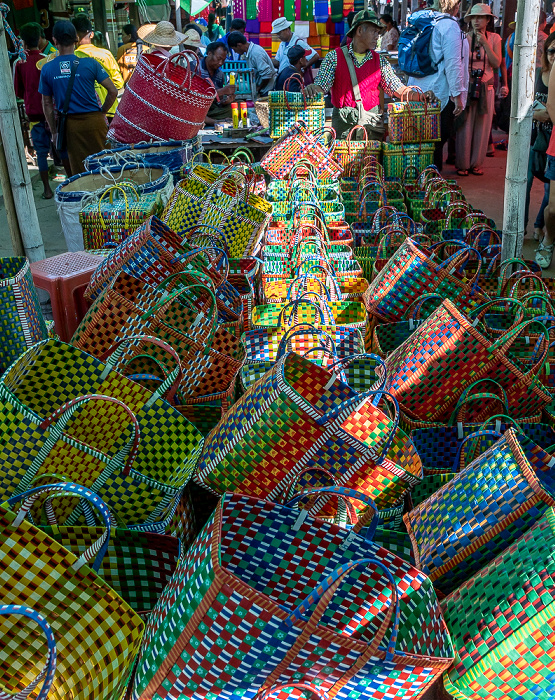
{"x": 41, "y": 142}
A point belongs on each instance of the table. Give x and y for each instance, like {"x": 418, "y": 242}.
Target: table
{"x": 228, "y": 145}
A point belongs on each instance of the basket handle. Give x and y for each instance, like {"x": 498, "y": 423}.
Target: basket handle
{"x": 303, "y": 329}
{"x": 346, "y": 361}
{"x": 97, "y": 550}
{"x": 324, "y": 592}
{"x": 293, "y": 481}
{"x": 293, "y": 308}
{"x": 507, "y": 339}
{"x": 111, "y": 190}
{"x": 48, "y": 671}
{"x": 267, "y": 693}
{"x": 167, "y": 389}
{"x": 209, "y": 154}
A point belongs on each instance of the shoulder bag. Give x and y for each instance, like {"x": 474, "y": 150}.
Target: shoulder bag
{"x": 61, "y": 139}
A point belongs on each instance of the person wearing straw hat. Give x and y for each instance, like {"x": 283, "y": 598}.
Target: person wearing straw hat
{"x": 355, "y": 74}
{"x": 475, "y": 122}
{"x": 162, "y": 38}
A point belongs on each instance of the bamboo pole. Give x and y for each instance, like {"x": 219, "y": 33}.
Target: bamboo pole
{"x": 522, "y": 96}
{"x": 11, "y": 214}
{"x": 18, "y": 172}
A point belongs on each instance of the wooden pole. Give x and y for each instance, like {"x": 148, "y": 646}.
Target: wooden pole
{"x": 11, "y": 214}
{"x": 520, "y": 129}
{"x": 18, "y": 172}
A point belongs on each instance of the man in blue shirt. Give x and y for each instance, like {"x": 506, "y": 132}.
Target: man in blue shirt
{"x": 297, "y": 63}
{"x": 211, "y": 69}
{"x": 86, "y": 125}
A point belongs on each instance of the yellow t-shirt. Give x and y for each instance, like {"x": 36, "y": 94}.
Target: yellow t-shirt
{"x": 110, "y": 65}
{"x": 359, "y": 56}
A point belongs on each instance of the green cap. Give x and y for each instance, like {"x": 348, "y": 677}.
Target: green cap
{"x": 361, "y": 18}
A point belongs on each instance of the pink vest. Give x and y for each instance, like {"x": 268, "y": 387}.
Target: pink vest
{"x": 369, "y": 76}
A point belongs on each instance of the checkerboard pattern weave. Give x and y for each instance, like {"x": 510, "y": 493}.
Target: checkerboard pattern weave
{"x": 226, "y": 625}
{"x": 21, "y": 320}
{"x": 299, "y": 416}
{"x": 495, "y": 500}
{"x": 97, "y": 634}
{"x": 503, "y": 622}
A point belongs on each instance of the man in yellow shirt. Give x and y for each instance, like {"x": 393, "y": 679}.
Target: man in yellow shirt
{"x": 85, "y": 48}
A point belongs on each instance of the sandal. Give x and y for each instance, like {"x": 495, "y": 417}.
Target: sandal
{"x": 538, "y": 234}
{"x": 462, "y": 173}
{"x": 544, "y": 254}
{"x": 476, "y": 171}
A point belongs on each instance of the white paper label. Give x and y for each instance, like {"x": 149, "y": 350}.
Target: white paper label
{"x": 460, "y": 432}
{"x": 300, "y": 519}
{"x": 497, "y": 426}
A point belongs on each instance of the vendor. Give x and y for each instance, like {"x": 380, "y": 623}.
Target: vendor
{"x": 257, "y": 60}
{"x": 354, "y": 75}
{"x": 211, "y": 69}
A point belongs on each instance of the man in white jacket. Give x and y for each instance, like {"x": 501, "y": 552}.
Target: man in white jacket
{"x": 449, "y": 51}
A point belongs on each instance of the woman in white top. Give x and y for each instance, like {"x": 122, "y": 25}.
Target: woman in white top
{"x": 390, "y": 40}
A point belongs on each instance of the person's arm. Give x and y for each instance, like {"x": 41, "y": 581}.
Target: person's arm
{"x": 18, "y": 83}
{"x": 326, "y": 76}
{"x": 114, "y": 72}
{"x": 456, "y": 66}
{"x": 279, "y": 53}
{"x": 491, "y": 47}
{"x": 50, "y": 114}
{"x": 551, "y": 97}
{"x": 314, "y": 56}
{"x": 504, "y": 89}
{"x": 112, "y": 93}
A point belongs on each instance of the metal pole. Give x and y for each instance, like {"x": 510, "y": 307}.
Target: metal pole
{"x": 19, "y": 178}
{"x": 522, "y": 90}
{"x": 178, "y": 23}
{"x": 403, "y": 14}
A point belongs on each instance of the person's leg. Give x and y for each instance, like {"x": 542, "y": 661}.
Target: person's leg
{"x": 41, "y": 142}
{"x": 544, "y": 252}
{"x": 490, "y": 153}
{"x": 446, "y": 127}
{"x": 482, "y": 128}
{"x": 464, "y": 139}
{"x": 539, "y": 223}
{"x": 86, "y": 135}
{"x": 529, "y": 183}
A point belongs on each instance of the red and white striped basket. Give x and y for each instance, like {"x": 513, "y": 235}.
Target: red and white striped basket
{"x": 164, "y": 99}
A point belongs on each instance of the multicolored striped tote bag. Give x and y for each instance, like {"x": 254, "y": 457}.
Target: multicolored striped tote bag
{"x": 492, "y": 502}
{"x": 301, "y": 416}
{"x": 236, "y": 620}
{"x": 99, "y": 428}
{"x": 412, "y": 272}
{"x": 502, "y": 623}
{"x": 286, "y": 108}
{"x": 448, "y": 352}
{"x": 21, "y": 321}
{"x": 97, "y": 634}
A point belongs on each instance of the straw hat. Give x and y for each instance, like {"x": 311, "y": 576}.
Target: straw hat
{"x": 191, "y": 38}
{"x": 47, "y": 59}
{"x": 145, "y": 29}
{"x": 164, "y": 34}
{"x": 480, "y": 10}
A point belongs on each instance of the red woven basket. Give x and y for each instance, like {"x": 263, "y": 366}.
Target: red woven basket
{"x": 163, "y": 100}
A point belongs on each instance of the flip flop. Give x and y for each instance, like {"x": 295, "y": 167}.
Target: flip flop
{"x": 476, "y": 171}
{"x": 544, "y": 254}
{"x": 462, "y": 173}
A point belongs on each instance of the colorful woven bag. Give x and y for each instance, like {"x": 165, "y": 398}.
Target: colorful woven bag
{"x": 502, "y": 623}
{"x": 287, "y": 108}
{"x": 412, "y": 272}
{"x": 165, "y": 99}
{"x": 220, "y": 200}
{"x": 351, "y": 154}
{"x": 136, "y": 565}
{"x": 10, "y": 649}
{"x": 308, "y": 417}
{"x": 495, "y": 500}
{"x": 21, "y": 321}
{"x": 447, "y": 353}
{"x": 396, "y": 158}
{"x": 97, "y": 634}
{"x": 143, "y": 450}
{"x": 377, "y": 627}
{"x": 299, "y": 143}
{"x": 413, "y": 122}
{"x": 106, "y": 223}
